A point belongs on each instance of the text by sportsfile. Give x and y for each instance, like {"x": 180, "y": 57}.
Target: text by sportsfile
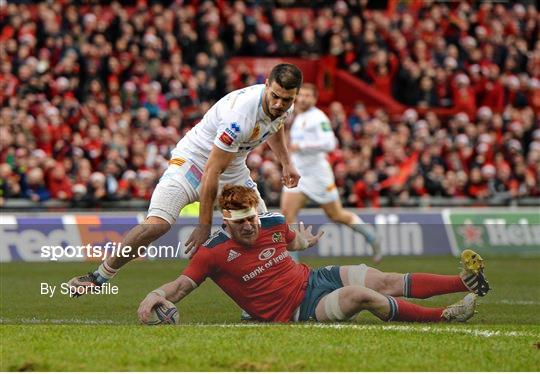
{"x": 65, "y": 289}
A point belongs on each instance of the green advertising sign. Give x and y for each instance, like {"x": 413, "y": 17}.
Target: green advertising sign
{"x": 494, "y": 231}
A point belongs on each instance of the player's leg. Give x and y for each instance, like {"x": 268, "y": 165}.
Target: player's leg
{"x": 335, "y": 212}
{"x": 169, "y": 197}
{"x": 291, "y": 203}
{"x": 414, "y": 285}
{"x": 362, "y": 275}
{"x": 142, "y": 235}
{"x": 345, "y": 302}
{"x": 472, "y": 272}
{"x": 420, "y": 285}
{"x": 471, "y": 278}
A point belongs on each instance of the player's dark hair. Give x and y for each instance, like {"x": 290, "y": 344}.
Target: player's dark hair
{"x": 312, "y": 87}
{"x": 287, "y": 76}
{"x": 238, "y": 197}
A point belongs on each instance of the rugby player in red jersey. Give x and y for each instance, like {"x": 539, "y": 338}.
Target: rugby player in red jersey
{"x": 249, "y": 260}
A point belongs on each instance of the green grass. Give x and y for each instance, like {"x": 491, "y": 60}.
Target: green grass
{"x": 102, "y": 333}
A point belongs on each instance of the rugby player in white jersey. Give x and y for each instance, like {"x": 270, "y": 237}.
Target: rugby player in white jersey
{"x": 311, "y": 140}
{"x": 211, "y": 155}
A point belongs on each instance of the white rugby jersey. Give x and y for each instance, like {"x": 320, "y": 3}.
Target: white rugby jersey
{"x": 236, "y": 123}
{"x": 312, "y": 133}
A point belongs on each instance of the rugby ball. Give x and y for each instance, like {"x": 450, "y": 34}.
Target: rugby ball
{"x": 164, "y": 314}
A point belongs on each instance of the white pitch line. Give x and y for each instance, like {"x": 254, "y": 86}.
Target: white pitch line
{"x": 514, "y": 302}
{"x": 404, "y": 328}
{"x": 75, "y": 321}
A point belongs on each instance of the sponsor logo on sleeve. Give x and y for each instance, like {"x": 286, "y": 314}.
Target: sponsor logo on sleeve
{"x": 232, "y": 255}
{"x": 326, "y": 126}
{"x": 231, "y": 133}
{"x": 233, "y": 130}
{"x": 249, "y": 183}
{"x": 226, "y": 138}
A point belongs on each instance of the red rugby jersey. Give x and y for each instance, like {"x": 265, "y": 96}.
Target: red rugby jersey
{"x": 262, "y": 279}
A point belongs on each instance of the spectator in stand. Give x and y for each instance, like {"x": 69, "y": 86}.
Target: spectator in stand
{"x": 9, "y": 183}
{"x": 357, "y": 119}
{"x": 310, "y": 45}
{"x": 286, "y": 45}
{"x": 477, "y": 187}
{"x": 463, "y": 95}
{"x": 59, "y": 184}
{"x": 366, "y": 191}
{"x": 96, "y": 188}
{"x": 427, "y": 96}
{"x": 381, "y": 71}
{"x": 33, "y": 186}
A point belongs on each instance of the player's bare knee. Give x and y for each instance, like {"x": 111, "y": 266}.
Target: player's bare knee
{"x": 359, "y": 295}
{"x": 390, "y": 284}
{"x": 378, "y": 284}
{"x": 154, "y": 227}
{"x": 381, "y": 283}
{"x": 290, "y": 214}
{"x": 335, "y": 216}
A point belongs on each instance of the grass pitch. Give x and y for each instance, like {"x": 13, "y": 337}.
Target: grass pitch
{"x": 38, "y": 332}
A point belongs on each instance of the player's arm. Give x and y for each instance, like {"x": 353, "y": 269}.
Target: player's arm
{"x": 278, "y": 144}
{"x": 218, "y": 161}
{"x": 324, "y": 141}
{"x": 178, "y": 289}
{"x": 303, "y": 238}
{"x": 173, "y": 291}
{"x": 195, "y": 273}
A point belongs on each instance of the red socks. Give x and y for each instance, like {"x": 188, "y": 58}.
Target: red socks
{"x": 423, "y": 285}
{"x": 401, "y": 310}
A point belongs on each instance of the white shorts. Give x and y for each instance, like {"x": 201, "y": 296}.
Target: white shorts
{"x": 319, "y": 188}
{"x": 180, "y": 185}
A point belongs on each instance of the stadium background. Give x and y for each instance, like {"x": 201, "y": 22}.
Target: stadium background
{"x": 435, "y": 106}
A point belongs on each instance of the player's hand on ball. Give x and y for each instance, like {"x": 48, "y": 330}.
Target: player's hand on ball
{"x": 290, "y": 176}
{"x": 149, "y": 302}
{"x": 197, "y": 238}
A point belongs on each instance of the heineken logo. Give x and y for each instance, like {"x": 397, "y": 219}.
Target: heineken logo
{"x": 500, "y": 232}
{"x": 496, "y": 231}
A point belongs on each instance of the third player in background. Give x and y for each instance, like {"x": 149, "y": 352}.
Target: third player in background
{"x": 311, "y": 139}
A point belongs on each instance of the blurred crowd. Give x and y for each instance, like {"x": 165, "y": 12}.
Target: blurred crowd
{"x": 94, "y": 97}
{"x": 489, "y": 156}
